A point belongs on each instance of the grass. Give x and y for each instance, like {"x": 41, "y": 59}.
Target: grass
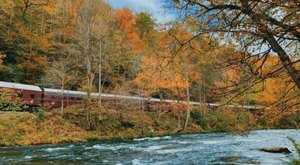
{"x": 23, "y": 128}
{"x": 26, "y": 129}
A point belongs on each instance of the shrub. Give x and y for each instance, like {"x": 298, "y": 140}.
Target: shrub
{"x": 41, "y": 115}
{"x": 297, "y": 146}
{"x": 9, "y": 101}
{"x": 235, "y": 120}
{"x": 198, "y": 117}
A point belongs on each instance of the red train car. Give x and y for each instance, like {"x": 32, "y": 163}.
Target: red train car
{"x": 53, "y": 97}
{"x": 29, "y": 94}
{"x": 36, "y": 96}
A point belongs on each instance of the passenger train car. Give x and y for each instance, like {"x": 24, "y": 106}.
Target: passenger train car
{"x": 36, "y": 96}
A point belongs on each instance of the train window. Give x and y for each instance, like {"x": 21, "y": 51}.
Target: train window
{"x": 20, "y": 95}
{"x": 32, "y": 96}
{"x": 72, "y": 98}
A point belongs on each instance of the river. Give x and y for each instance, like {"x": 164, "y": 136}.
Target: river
{"x": 210, "y": 148}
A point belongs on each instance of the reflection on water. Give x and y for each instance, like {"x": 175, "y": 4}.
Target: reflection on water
{"x": 211, "y": 148}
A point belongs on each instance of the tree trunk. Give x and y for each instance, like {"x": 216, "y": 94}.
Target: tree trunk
{"x": 160, "y": 103}
{"x": 263, "y": 28}
{"x": 100, "y": 75}
{"x": 62, "y": 98}
{"x": 285, "y": 60}
{"x": 187, "y": 117}
{"x": 89, "y": 66}
{"x": 142, "y": 105}
{"x": 89, "y": 102}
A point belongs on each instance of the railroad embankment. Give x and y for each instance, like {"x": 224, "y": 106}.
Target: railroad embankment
{"x": 23, "y": 128}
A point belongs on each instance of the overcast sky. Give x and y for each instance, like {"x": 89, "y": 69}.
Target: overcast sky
{"x": 155, "y": 7}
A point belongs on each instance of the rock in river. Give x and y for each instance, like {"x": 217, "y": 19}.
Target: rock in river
{"x": 276, "y": 150}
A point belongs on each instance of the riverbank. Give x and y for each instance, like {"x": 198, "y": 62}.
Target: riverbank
{"x": 23, "y": 128}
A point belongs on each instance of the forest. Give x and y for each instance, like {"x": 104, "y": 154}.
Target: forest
{"x": 217, "y": 84}
{"x": 217, "y": 54}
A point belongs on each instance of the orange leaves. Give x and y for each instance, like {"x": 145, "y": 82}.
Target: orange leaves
{"x": 276, "y": 89}
{"x": 125, "y": 19}
{"x": 136, "y": 43}
{"x": 233, "y": 74}
{"x": 132, "y": 36}
{"x": 269, "y": 65}
{"x": 272, "y": 90}
{"x": 43, "y": 43}
{"x": 49, "y": 9}
{"x": 154, "y": 77}
{"x": 169, "y": 80}
{"x": 126, "y": 22}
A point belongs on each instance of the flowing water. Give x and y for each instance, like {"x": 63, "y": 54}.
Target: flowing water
{"x": 210, "y": 148}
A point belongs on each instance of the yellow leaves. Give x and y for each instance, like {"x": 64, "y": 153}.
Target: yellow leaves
{"x": 33, "y": 66}
{"x": 272, "y": 91}
{"x": 184, "y": 36}
{"x": 25, "y": 129}
{"x": 154, "y": 76}
{"x": 169, "y": 80}
{"x": 272, "y": 88}
{"x": 194, "y": 74}
{"x": 70, "y": 32}
{"x": 233, "y": 74}
{"x": 43, "y": 43}
{"x": 2, "y": 57}
{"x": 269, "y": 65}
{"x": 49, "y": 9}
{"x": 118, "y": 38}
{"x": 6, "y": 7}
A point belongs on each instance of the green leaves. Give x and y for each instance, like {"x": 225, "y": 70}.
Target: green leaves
{"x": 9, "y": 101}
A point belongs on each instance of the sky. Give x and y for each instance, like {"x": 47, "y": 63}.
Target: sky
{"x": 155, "y": 7}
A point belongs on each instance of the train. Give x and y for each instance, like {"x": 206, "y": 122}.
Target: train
{"x": 37, "y": 96}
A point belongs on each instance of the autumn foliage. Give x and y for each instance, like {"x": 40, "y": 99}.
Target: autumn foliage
{"x": 89, "y": 45}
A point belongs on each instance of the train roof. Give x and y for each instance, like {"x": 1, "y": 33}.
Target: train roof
{"x": 69, "y": 92}
{"x": 50, "y": 90}
{"x": 19, "y": 86}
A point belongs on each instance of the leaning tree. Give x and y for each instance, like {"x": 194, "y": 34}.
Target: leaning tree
{"x": 262, "y": 29}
